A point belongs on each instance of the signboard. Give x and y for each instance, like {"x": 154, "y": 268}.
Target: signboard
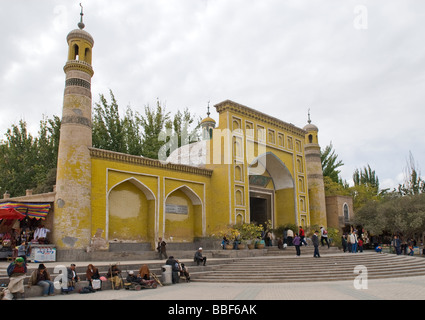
{"x": 43, "y": 253}
{"x": 177, "y": 209}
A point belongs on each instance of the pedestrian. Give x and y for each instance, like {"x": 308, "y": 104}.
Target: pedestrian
{"x": 93, "y": 276}
{"x": 114, "y": 275}
{"x": 162, "y": 251}
{"x": 349, "y": 243}
{"x": 302, "y": 235}
{"x": 397, "y": 245}
{"x": 175, "y": 269}
{"x": 344, "y": 242}
{"x": 353, "y": 240}
{"x": 324, "y": 236}
{"x": 41, "y": 277}
{"x": 360, "y": 244}
{"x": 290, "y": 237}
{"x": 297, "y": 244}
{"x": 22, "y": 251}
{"x": 198, "y": 258}
{"x": 17, "y": 272}
{"x": 144, "y": 272}
{"x": 315, "y": 240}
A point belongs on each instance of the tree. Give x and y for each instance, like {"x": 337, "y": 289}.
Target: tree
{"x": 153, "y": 123}
{"x": 330, "y": 164}
{"x": 413, "y": 183}
{"x": 17, "y": 159}
{"x": 108, "y": 129}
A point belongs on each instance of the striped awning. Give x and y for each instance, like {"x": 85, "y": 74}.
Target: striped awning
{"x": 34, "y": 210}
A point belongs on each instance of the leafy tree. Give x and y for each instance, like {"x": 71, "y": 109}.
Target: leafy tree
{"x": 330, "y": 164}
{"x": 153, "y": 123}
{"x": 17, "y": 159}
{"x": 413, "y": 184}
{"x": 108, "y": 128}
{"x": 27, "y": 162}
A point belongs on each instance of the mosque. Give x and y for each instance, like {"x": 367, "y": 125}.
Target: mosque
{"x": 248, "y": 167}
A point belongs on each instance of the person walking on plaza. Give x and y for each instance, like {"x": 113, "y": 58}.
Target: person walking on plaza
{"x": 297, "y": 244}
{"x": 302, "y": 235}
{"x": 315, "y": 240}
{"x": 162, "y": 251}
{"x": 397, "y": 245}
{"x": 41, "y": 277}
{"x": 353, "y": 240}
{"x": 290, "y": 236}
{"x": 344, "y": 242}
{"x": 324, "y": 236}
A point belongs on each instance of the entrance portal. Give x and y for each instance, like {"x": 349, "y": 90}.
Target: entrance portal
{"x": 260, "y": 207}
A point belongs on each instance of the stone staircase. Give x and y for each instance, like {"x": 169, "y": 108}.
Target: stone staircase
{"x": 286, "y": 267}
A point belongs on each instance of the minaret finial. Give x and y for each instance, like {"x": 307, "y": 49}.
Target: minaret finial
{"x": 81, "y": 24}
{"x": 208, "y": 113}
{"x": 309, "y": 120}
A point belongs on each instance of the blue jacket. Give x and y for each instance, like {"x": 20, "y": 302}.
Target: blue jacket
{"x": 11, "y": 268}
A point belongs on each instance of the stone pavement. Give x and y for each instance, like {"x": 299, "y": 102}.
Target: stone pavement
{"x": 403, "y": 288}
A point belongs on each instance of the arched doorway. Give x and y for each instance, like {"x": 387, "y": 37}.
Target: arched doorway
{"x": 131, "y": 212}
{"x": 271, "y": 191}
{"x": 183, "y": 215}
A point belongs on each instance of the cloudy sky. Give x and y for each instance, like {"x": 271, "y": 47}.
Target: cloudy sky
{"x": 358, "y": 65}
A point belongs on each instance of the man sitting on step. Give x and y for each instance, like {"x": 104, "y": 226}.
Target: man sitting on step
{"x": 199, "y": 258}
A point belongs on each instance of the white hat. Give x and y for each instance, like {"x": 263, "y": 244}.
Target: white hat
{"x": 200, "y": 248}
{"x": 131, "y": 272}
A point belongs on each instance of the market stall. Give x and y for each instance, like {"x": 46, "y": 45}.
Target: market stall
{"x": 22, "y": 225}
{"x": 9, "y": 215}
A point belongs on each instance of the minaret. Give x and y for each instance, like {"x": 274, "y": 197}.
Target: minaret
{"x": 316, "y": 186}
{"x": 72, "y": 213}
{"x": 207, "y": 126}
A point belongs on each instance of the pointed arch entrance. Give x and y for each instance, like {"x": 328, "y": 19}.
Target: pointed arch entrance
{"x": 272, "y": 194}
{"x": 183, "y": 214}
{"x": 131, "y": 212}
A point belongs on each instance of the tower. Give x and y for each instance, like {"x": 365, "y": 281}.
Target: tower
{"x": 72, "y": 220}
{"x": 207, "y": 126}
{"x": 316, "y": 187}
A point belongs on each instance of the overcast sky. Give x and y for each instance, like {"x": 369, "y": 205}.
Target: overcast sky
{"x": 359, "y": 66}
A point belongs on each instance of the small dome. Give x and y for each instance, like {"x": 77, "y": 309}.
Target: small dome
{"x": 208, "y": 119}
{"x": 80, "y": 34}
{"x": 311, "y": 127}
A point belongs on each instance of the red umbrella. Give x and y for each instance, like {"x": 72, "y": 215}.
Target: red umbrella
{"x": 11, "y": 214}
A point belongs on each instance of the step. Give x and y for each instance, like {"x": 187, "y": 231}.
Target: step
{"x": 285, "y": 269}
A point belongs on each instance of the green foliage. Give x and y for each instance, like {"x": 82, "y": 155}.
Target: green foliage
{"x": 330, "y": 163}
{"x": 249, "y": 231}
{"x": 405, "y": 215}
{"x": 26, "y": 162}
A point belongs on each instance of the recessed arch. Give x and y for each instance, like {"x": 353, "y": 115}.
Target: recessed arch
{"x": 147, "y": 192}
{"x": 278, "y": 171}
{"x": 196, "y": 200}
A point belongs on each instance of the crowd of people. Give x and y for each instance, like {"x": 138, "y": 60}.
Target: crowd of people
{"x": 17, "y": 272}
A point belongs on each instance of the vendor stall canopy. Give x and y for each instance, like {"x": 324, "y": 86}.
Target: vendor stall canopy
{"x": 11, "y": 214}
{"x": 32, "y": 210}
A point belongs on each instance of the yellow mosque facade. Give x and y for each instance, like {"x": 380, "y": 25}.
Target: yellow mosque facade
{"x": 248, "y": 167}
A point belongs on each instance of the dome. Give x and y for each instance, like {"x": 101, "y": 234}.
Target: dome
{"x": 208, "y": 119}
{"x": 311, "y": 127}
{"x": 80, "y": 34}
{"x": 194, "y": 154}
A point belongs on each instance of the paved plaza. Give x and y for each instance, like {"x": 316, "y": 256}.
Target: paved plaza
{"x": 403, "y": 288}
